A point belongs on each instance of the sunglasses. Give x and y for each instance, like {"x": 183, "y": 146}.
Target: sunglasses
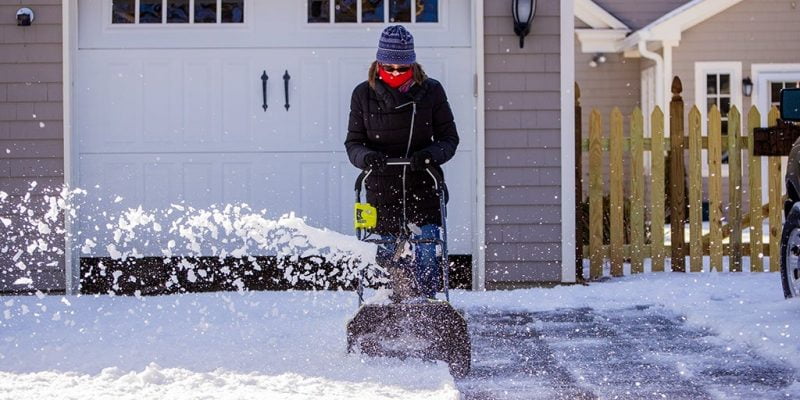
{"x": 389, "y": 68}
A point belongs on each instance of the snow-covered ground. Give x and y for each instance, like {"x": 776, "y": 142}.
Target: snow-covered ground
{"x": 291, "y": 345}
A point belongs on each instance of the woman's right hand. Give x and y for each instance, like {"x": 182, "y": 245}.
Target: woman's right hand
{"x": 375, "y": 161}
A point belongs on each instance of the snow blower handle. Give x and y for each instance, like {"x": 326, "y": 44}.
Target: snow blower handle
{"x": 438, "y": 178}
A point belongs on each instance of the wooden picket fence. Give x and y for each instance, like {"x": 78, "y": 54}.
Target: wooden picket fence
{"x": 712, "y": 243}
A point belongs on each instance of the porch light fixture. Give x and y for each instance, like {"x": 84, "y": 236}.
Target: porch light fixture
{"x": 598, "y": 59}
{"x": 523, "y": 11}
{"x": 747, "y": 87}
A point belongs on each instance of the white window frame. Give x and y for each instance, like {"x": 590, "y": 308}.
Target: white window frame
{"x": 701, "y": 70}
{"x": 332, "y": 12}
{"x": 108, "y": 9}
{"x": 763, "y": 74}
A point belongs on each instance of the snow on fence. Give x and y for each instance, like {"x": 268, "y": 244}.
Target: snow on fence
{"x": 645, "y": 231}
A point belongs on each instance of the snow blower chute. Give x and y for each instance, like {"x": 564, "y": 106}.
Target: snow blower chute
{"x": 429, "y": 329}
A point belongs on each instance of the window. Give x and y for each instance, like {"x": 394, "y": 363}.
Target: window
{"x": 717, "y": 84}
{"x": 718, "y": 92}
{"x": 373, "y": 11}
{"x": 775, "y": 91}
{"x": 177, "y": 11}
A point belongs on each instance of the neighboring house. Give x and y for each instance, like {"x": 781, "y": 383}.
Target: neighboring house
{"x": 712, "y": 45}
{"x": 160, "y": 108}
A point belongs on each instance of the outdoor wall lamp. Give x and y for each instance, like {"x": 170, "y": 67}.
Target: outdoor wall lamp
{"x": 24, "y": 16}
{"x": 523, "y": 11}
{"x": 598, "y": 59}
{"x": 747, "y": 87}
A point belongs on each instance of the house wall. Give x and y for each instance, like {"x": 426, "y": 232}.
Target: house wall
{"x": 753, "y": 31}
{"x": 523, "y": 175}
{"x": 31, "y": 134}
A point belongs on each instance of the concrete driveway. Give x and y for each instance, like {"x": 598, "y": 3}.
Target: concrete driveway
{"x": 643, "y": 352}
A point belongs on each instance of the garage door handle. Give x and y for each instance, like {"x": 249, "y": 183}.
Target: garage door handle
{"x": 286, "y": 78}
{"x": 264, "y": 79}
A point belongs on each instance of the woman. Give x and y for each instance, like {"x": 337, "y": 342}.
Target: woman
{"x": 400, "y": 112}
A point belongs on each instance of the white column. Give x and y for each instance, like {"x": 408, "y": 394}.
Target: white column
{"x": 568, "y": 239}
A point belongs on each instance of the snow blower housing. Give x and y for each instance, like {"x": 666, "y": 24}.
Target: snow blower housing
{"x": 428, "y": 329}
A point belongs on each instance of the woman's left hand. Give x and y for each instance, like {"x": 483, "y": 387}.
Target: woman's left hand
{"x": 421, "y": 160}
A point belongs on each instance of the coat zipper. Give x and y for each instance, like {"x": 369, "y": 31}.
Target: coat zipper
{"x": 408, "y": 149}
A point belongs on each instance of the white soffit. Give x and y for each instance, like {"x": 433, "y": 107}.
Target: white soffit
{"x": 671, "y": 25}
{"x": 601, "y": 40}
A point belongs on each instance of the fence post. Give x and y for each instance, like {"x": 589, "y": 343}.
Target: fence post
{"x": 637, "y": 192}
{"x": 595, "y": 195}
{"x": 735, "y": 188}
{"x": 657, "y": 190}
{"x": 756, "y": 231}
{"x": 578, "y": 186}
{"x": 676, "y": 182}
{"x": 616, "y": 207}
{"x": 695, "y": 192}
{"x": 775, "y": 203}
{"x": 715, "y": 187}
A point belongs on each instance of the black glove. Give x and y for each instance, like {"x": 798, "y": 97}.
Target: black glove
{"x": 375, "y": 161}
{"x": 421, "y": 160}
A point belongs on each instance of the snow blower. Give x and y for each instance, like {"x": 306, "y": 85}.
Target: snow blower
{"x": 428, "y": 329}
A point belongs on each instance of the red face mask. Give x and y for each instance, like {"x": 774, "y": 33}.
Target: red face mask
{"x": 394, "y": 81}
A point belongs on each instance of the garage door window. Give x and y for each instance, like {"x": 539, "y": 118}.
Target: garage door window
{"x": 177, "y": 11}
{"x": 373, "y": 11}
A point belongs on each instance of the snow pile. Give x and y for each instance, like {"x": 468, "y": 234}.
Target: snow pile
{"x": 287, "y": 345}
{"x": 32, "y": 238}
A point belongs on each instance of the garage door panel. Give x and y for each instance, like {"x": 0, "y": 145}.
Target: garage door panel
{"x": 122, "y": 117}
{"x": 237, "y": 181}
{"x": 236, "y": 106}
{"x": 198, "y": 182}
{"x": 160, "y": 183}
{"x": 315, "y": 81}
{"x": 316, "y": 192}
{"x": 157, "y": 108}
{"x": 200, "y": 112}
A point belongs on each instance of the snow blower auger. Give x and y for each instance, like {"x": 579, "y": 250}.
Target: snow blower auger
{"x": 428, "y": 329}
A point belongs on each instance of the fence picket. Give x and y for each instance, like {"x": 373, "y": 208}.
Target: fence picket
{"x": 657, "y": 190}
{"x": 735, "y": 189}
{"x": 595, "y": 195}
{"x": 617, "y": 206}
{"x": 695, "y": 192}
{"x": 756, "y": 232}
{"x": 775, "y": 191}
{"x": 677, "y": 203}
{"x": 637, "y": 191}
{"x": 715, "y": 187}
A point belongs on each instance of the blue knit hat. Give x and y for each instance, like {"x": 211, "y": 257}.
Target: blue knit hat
{"x": 396, "y": 46}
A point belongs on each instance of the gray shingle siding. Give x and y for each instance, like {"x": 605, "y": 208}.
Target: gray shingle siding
{"x": 523, "y": 147}
{"x": 31, "y": 129}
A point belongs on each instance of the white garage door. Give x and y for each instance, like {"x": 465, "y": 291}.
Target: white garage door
{"x": 170, "y": 103}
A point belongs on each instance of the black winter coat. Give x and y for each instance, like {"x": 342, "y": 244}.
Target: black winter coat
{"x": 380, "y": 121}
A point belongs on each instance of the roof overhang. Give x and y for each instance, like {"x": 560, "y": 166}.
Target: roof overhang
{"x": 668, "y": 28}
{"x": 596, "y": 17}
